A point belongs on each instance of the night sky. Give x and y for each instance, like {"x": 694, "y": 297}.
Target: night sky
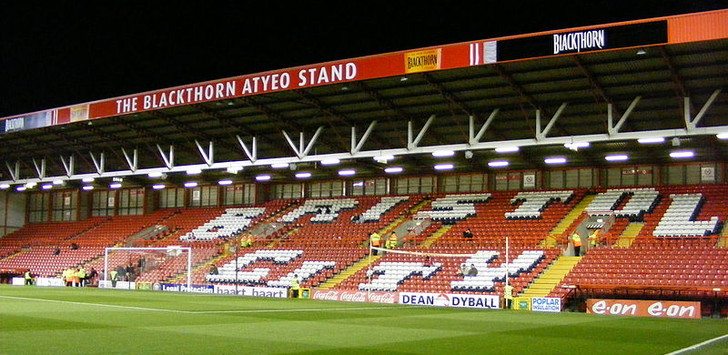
{"x": 58, "y": 54}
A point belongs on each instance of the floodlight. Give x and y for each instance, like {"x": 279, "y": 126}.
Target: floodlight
{"x": 555, "y": 160}
{"x": 616, "y": 157}
{"x": 651, "y": 140}
{"x": 498, "y": 163}
{"x": 507, "y": 149}
{"x": 443, "y": 153}
{"x": 682, "y": 154}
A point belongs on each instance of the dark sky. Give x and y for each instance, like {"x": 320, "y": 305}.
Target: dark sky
{"x": 59, "y": 54}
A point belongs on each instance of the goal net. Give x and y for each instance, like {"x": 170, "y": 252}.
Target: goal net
{"x": 485, "y": 272}
{"x": 141, "y": 268}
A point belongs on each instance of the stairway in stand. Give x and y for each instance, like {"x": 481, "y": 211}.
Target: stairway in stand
{"x": 542, "y": 286}
{"x": 351, "y": 270}
{"x": 431, "y": 239}
{"x": 628, "y": 236}
{"x": 566, "y": 223}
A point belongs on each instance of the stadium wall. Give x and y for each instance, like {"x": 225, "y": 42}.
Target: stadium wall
{"x": 12, "y": 211}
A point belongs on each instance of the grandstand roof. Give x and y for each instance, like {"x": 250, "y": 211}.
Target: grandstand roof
{"x": 661, "y": 77}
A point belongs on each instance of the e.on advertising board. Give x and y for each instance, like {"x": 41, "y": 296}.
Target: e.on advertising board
{"x": 645, "y": 308}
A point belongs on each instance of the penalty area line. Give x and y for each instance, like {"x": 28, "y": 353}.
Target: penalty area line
{"x": 698, "y": 346}
{"x": 96, "y": 304}
{"x": 318, "y": 309}
{"x": 293, "y": 310}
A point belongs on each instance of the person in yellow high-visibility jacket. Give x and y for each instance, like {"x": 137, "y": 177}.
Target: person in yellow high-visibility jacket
{"x": 28, "y": 278}
{"x": 392, "y": 241}
{"x": 81, "y": 277}
{"x": 576, "y": 240}
{"x": 594, "y": 238}
{"x": 375, "y": 240}
{"x": 68, "y": 276}
{"x": 246, "y": 241}
{"x": 295, "y": 286}
{"x": 508, "y": 296}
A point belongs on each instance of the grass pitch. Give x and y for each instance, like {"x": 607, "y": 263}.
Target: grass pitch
{"x": 96, "y": 321}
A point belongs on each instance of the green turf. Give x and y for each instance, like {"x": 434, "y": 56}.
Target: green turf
{"x": 81, "y": 321}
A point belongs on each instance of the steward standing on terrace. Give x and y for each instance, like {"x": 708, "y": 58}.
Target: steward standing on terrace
{"x": 375, "y": 240}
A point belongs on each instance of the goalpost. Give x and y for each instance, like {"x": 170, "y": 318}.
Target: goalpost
{"x": 149, "y": 265}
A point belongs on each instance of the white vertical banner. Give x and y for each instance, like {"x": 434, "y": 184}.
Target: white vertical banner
{"x": 707, "y": 173}
{"x": 111, "y": 201}
{"x": 195, "y": 195}
{"x": 529, "y": 180}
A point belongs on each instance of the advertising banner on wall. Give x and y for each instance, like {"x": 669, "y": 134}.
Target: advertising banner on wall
{"x": 450, "y": 300}
{"x": 183, "y": 288}
{"x": 546, "y": 304}
{"x": 270, "y": 292}
{"x": 355, "y": 296}
{"x": 645, "y": 308}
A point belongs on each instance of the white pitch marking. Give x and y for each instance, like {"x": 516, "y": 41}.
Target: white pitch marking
{"x": 200, "y": 312}
{"x": 699, "y": 345}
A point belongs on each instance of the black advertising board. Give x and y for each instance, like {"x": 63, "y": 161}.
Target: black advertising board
{"x": 588, "y": 40}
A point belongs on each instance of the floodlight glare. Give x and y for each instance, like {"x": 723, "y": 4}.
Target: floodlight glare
{"x": 279, "y": 165}
{"x": 576, "y": 145}
{"x": 616, "y": 157}
{"x": 393, "y": 170}
{"x": 682, "y": 154}
{"x": 46, "y": 186}
{"x": 194, "y": 171}
{"x": 87, "y": 187}
{"x": 383, "y": 158}
{"x": 115, "y": 185}
{"x": 651, "y": 140}
{"x": 556, "y": 160}
{"x": 498, "y": 163}
{"x": 303, "y": 175}
{"x": 88, "y": 179}
{"x": 4, "y": 186}
{"x": 443, "y": 153}
{"x": 330, "y": 161}
{"x": 191, "y": 184}
{"x": 723, "y": 135}
{"x": 234, "y": 169}
{"x": 347, "y": 172}
{"x": 225, "y": 182}
{"x": 155, "y": 174}
{"x": 262, "y": 178}
{"x": 444, "y": 167}
{"x": 507, "y": 149}
{"x": 158, "y": 186}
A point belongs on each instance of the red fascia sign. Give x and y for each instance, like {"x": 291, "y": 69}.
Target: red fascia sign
{"x": 644, "y": 308}
{"x": 677, "y": 29}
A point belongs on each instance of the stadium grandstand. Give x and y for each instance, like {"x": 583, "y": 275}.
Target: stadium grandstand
{"x": 609, "y": 139}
